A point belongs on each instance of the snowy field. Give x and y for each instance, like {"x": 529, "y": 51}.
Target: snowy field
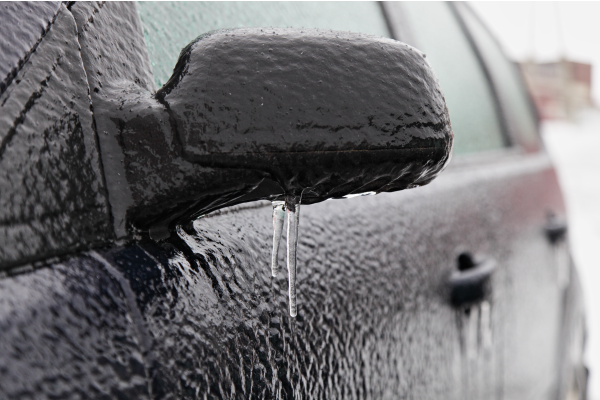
{"x": 575, "y": 150}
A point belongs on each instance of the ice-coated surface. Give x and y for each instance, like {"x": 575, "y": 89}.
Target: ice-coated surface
{"x": 23, "y": 26}
{"x": 51, "y": 193}
{"x": 66, "y": 333}
{"x": 200, "y": 316}
{"x": 160, "y": 171}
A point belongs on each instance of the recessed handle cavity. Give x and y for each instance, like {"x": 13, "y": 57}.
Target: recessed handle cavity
{"x": 555, "y": 229}
{"x": 470, "y": 283}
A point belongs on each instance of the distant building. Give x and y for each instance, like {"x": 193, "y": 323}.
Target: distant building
{"x": 559, "y": 89}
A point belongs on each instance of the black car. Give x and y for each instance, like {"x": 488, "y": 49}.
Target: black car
{"x": 141, "y": 186}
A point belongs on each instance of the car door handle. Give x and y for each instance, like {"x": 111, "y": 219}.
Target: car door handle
{"x": 555, "y": 229}
{"x": 471, "y": 285}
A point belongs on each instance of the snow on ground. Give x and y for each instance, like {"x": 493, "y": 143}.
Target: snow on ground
{"x": 575, "y": 151}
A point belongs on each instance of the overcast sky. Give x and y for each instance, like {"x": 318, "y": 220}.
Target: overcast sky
{"x": 546, "y": 30}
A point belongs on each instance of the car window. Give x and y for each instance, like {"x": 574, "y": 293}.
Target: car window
{"x": 170, "y": 26}
{"x": 474, "y": 114}
{"x": 512, "y": 93}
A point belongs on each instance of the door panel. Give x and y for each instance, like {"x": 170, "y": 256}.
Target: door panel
{"x": 531, "y": 295}
{"x": 374, "y": 319}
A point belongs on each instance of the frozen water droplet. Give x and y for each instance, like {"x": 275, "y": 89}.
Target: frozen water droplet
{"x": 278, "y": 217}
{"x": 293, "y": 212}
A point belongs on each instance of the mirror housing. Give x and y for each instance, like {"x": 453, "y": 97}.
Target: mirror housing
{"x": 260, "y": 113}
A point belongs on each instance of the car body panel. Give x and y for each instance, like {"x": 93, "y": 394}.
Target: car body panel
{"x": 374, "y": 317}
{"x": 20, "y": 40}
{"x": 52, "y": 200}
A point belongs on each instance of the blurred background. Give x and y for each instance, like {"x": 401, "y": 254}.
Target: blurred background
{"x": 556, "y": 45}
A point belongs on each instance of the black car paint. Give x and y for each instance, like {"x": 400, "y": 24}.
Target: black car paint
{"x": 35, "y": 20}
{"x": 52, "y": 196}
{"x": 198, "y": 315}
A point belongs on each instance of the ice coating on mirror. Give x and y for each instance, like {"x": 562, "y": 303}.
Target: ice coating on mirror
{"x": 278, "y": 218}
{"x": 352, "y": 195}
{"x": 293, "y": 213}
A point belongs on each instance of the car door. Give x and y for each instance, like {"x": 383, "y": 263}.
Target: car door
{"x": 199, "y": 316}
{"x": 534, "y": 269}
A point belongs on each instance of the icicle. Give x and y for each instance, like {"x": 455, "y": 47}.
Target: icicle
{"x": 278, "y": 217}
{"x": 293, "y": 212}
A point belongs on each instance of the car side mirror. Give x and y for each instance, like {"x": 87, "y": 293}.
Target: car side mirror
{"x": 260, "y": 113}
